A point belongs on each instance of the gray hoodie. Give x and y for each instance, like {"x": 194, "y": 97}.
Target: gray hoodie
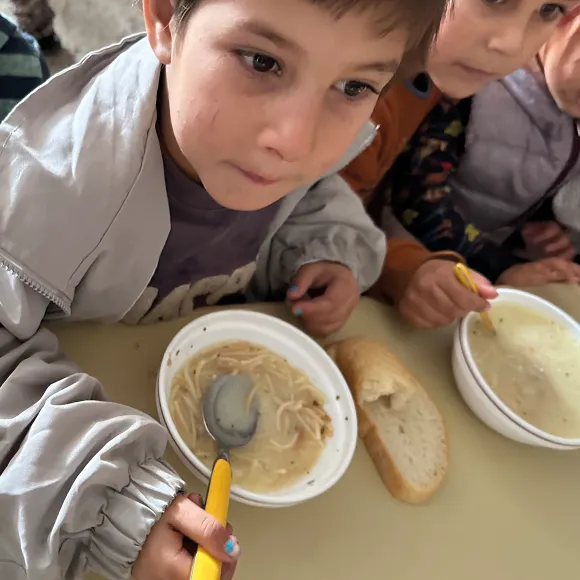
{"x": 83, "y": 220}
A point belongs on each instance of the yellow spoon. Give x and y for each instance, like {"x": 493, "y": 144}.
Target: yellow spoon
{"x": 465, "y": 279}
{"x": 232, "y": 424}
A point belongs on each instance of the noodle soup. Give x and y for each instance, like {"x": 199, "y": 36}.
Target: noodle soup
{"x": 532, "y": 363}
{"x": 292, "y": 428}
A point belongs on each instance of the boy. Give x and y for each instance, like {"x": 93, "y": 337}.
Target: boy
{"x": 22, "y": 68}
{"x": 37, "y": 18}
{"x": 503, "y": 36}
{"x": 520, "y": 146}
{"x": 226, "y": 123}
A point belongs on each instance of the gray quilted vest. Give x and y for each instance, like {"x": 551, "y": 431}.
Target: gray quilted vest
{"x": 520, "y": 148}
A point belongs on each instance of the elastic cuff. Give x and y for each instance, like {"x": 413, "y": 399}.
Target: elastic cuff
{"x": 129, "y": 517}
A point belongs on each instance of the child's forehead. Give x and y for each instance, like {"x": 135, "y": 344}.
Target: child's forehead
{"x": 307, "y": 28}
{"x": 380, "y": 18}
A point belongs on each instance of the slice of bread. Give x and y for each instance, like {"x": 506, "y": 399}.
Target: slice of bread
{"x": 400, "y": 425}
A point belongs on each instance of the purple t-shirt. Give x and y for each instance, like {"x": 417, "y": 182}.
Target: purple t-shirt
{"x": 210, "y": 252}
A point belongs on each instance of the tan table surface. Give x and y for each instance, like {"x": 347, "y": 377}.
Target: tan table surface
{"x": 506, "y": 511}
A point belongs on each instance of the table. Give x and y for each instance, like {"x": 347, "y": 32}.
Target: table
{"x": 505, "y": 512}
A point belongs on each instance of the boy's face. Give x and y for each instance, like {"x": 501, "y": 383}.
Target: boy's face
{"x": 484, "y": 40}
{"x": 561, "y": 59}
{"x": 265, "y": 96}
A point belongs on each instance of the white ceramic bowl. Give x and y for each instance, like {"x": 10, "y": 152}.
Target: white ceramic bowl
{"x": 479, "y": 396}
{"x": 301, "y": 352}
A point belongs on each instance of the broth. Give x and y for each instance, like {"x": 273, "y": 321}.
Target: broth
{"x": 532, "y": 363}
{"x": 292, "y": 426}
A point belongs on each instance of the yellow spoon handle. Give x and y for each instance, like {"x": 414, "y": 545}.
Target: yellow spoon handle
{"x": 206, "y": 567}
{"x": 465, "y": 279}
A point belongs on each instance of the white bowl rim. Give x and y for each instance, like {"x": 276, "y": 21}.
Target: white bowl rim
{"x": 291, "y": 498}
{"x": 487, "y": 390}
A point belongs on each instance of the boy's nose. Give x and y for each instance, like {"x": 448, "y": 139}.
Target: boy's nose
{"x": 509, "y": 40}
{"x": 292, "y": 135}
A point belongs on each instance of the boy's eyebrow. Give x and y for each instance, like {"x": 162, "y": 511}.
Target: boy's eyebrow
{"x": 264, "y": 30}
{"x": 388, "y": 66}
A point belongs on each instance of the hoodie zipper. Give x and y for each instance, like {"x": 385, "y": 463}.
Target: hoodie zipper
{"x": 37, "y": 287}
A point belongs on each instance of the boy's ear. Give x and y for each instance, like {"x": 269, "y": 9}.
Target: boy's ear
{"x": 158, "y": 15}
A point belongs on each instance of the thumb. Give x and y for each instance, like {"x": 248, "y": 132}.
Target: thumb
{"x": 303, "y": 281}
{"x": 485, "y": 287}
{"x": 198, "y": 525}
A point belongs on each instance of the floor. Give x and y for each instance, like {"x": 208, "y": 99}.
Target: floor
{"x": 88, "y": 25}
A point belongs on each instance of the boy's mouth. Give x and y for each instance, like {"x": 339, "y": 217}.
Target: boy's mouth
{"x": 475, "y": 72}
{"x": 255, "y": 177}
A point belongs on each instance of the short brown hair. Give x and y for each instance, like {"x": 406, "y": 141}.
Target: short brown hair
{"x": 421, "y": 18}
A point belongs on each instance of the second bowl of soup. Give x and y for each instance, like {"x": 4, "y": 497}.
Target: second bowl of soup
{"x": 307, "y": 428}
{"x": 523, "y": 381}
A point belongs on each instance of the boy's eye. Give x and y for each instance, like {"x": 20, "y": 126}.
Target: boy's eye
{"x": 354, "y": 89}
{"x": 551, "y": 12}
{"x": 261, "y": 63}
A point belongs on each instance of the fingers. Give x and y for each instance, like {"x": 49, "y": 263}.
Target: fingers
{"x": 572, "y": 272}
{"x": 561, "y": 247}
{"x": 550, "y": 238}
{"x": 546, "y": 271}
{"x": 439, "y": 309}
{"x": 575, "y": 272}
{"x": 558, "y": 270}
{"x": 198, "y": 500}
{"x": 309, "y": 276}
{"x": 431, "y": 304}
{"x": 541, "y": 233}
{"x": 568, "y": 253}
{"x": 327, "y": 313}
{"x": 228, "y": 570}
{"x": 321, "y": 319}
{"x": 187, "y": 517}
{"x": 487, "y": 290}
{"x": 421, "y": 314}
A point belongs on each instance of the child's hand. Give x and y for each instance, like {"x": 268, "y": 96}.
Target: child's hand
{"x": 335, "y": 295}
{"x": 548, "y": 240}
{"x": 434, "y": 297}
{"x": 546, "y": 271}
{"x": 169, "y": 549}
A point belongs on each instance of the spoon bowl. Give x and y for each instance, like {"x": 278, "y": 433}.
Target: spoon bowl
{"x": 229, "y": 415}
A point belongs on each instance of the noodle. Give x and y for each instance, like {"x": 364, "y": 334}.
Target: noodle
{"x": 292, "y": 428}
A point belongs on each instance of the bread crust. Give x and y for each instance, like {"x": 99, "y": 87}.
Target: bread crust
{"x": 358, "y": 359}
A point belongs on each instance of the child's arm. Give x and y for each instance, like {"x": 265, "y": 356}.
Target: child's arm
{"x": 329, "y": 224}
{"x": 423, "y": 284}
{"x": 420, "y": 195}
{"x": 328, "y": 246}
{"x": 82, "y": 479}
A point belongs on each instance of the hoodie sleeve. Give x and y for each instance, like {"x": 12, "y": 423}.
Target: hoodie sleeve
{"x": 82, "y": 479}
{"x": 328, "y": 224}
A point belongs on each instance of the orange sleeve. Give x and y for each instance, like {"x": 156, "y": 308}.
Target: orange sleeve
{"x": 365, "y": 172}
{"x": 404, "y": 258}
